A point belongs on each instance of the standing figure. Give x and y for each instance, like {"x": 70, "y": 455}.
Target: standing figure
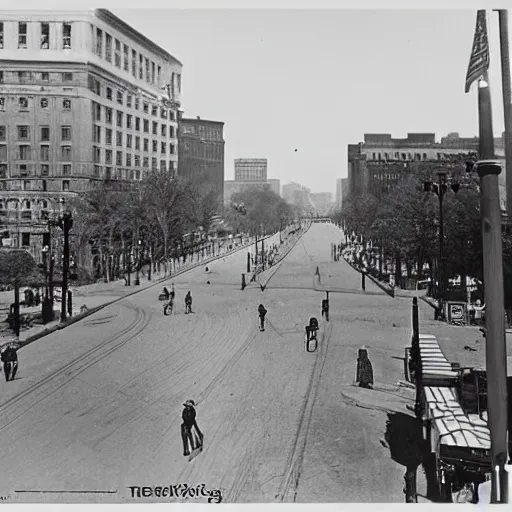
{"x": 311, "y": 329}
{"x": 262, "y": 312}
{"x": 188, "y": 303}
{"x": 189, "y": 422}
{"x": 10, "y": 359}
{"x": 325, "y": 309}
{"x": 364, "y": 374}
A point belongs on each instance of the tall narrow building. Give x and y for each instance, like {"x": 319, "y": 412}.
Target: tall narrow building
{"x": 84, "y": 97}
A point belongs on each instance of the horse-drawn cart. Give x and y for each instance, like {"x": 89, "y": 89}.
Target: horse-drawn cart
{"x": 451, "y": 402}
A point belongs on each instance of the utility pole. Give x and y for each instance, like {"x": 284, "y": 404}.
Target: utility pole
{"x": 66, "y": 223}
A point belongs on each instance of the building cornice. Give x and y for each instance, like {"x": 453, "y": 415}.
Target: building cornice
{"x": 123, "y": 27}
{"x": 200, "y": 121}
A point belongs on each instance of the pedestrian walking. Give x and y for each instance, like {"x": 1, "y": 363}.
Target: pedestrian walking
{"x": 325, "y": 309}
{"x": 188, "y": 303}
{"x": 191, "y": 436}
{"x": 364, "y": 372}
{"x": 261, "y": 313}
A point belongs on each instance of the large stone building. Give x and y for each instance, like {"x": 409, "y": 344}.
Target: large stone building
{"x": 81, "y": 100}
{"x": 201, "y": 152}
{"x": 250, "y": 173}
{"x": 379, "y": 162}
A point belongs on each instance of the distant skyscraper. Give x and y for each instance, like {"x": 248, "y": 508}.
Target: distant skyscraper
{"x": 251, "y": 169}
{"x": 275, "y": 185}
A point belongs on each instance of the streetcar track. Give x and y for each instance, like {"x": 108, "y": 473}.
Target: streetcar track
{"x": 293, "y": 465}
{"x": 56, "y": 380}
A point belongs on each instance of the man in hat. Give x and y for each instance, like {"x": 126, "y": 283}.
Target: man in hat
{"x": 10, "y": 359}
{"x": 188, "y": 303}
{"x": 364, "y": 374}
{"x": 189, "y": 421}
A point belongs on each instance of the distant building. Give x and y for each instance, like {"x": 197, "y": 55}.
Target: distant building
{"x": 339, "y": 196}
{"x": 378, "y": 163}
{"x": 251, "y": 169}
{"x": 275, "y": 185}
{"x": 298, "y": 195}
{"x": 81, "y": 102}
{"x": 201, "y": 152}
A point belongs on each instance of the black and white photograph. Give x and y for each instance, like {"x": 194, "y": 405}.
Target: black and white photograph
{"x": 255, "y": 253}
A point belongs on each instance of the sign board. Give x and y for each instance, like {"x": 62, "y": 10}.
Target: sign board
{"x": 456, "y": 312}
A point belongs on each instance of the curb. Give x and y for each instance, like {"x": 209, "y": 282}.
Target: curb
{"x": 390, "y": 292}
{"x": 273, "y": 271}
{"x": 91, "y": 311}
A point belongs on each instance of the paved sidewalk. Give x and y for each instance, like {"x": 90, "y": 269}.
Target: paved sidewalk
{"x": 94, "y": 296}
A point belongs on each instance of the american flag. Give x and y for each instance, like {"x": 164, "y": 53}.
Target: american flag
{"x": 479, "y": 60}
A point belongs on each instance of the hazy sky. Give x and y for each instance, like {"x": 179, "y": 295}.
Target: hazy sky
{"x": 317, "y": 80}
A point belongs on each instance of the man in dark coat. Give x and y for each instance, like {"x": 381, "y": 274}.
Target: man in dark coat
{"x": 10, "y": 358}
{"x": 262, "y": 312}
{"x": 364, "y": 374}
{"x": 189, "y": 421}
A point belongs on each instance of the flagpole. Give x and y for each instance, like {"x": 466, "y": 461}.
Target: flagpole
{"x": 507, "y": 107}
{"x": 495, "y": 347}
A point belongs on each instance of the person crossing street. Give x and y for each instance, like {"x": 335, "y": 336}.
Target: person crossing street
{"x": 188, "y": 303}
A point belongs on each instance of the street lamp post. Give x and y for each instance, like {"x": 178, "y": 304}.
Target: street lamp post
{"x": 66, "y": 223}
{"x": 137, "y": 256}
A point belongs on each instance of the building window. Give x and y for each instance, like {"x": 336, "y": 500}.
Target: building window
{"x": 1, "y": 35}
{"x": 65, "y": 185}
{"x": 45, "y": 133}
{"x": 96, "y": 134}
{"x": 137, "y": 143}
{"x": 146, "y": 126}
{"x": 171, "y": 132}
{"x": 163, "y": 113}
{"x": 45, "y": 77}
{"x": 96, "y": 154}
{"x": 25, "y": 238}
{"x": 45, "y": 153}
{"x": 24, "y": 76}
{"x": 119, "y": 158}
{"x": 23, "y": 152}
{"x": 129, "y": 122}
{"x": 2, "y": 103}
{"x": 66, "y": 36}
{"x": 155, "y": 128}
{"x": 120, "y": 97}
{"x": 163, "y": 148}
{"x": 128, "y": 160}
{"x": 108, "y": 115}
{"x": 128, "y": 141}
{"x": 66, "y": 104}
{"x": 171, "y": 149}
{"x": 119, "y": 118}
{"x": 44, "y": 103}
{"x": 66, "y": 132}
{"x": 97, "y": 171}
{"x": 119, "y": 139}
{"x": 108, "y": 93}
{"x": 126, "y": 63}
{"x": 66, "y": 170}
{"x": 108, "y": 156}
{"x": 67, "y": 77}
{"x": 146, "y": 145}
{"x": 117, "y": 54}
{"x": 66, "y": 153}
{"x": 145, "y": 162}
{"x": 148, "y": 76}
{"x": 153, "y": 163}
{"x": 23, "y": 103}
{"x": 141, "y": 67}
{"x": 145, "y": 108}
{"x": 108, "y": 136}
{"x": 154, "y": 110}
{"x": 45, "y": 170}
{"x": 137, "y": 124}
{"x": 45, "y": 36}
{"x": 163, "y": 165}
{"x": 136, "y": 159}
{"x": 137, "y": 103}
{"x": 108, "y": 47}
{"x": 153, "y": 72}
{"x": 129, "y": 100}
{"x": 171, "y": 115}
{"x": 99, "y": 42}
{"x": 97, "y": 112}
{"x": 22, "y": 34}
{"x": 134, "y": 63}
{"x": 164, "y": 130}
{"x": 2, "y": 133}
{"x": 159, "y": 75}
{"x": 1, "y": 77}
{"x": 155, "y": 146}
{"x": 23, "y": 133}
{"x": 3, "y": 153}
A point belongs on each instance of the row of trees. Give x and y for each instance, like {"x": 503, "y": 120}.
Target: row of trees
{"x": 159, "y": 211}
{"x": 404, "y": 224}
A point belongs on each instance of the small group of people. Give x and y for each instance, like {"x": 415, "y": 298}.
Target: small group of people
{"x": 170, "y": 298}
